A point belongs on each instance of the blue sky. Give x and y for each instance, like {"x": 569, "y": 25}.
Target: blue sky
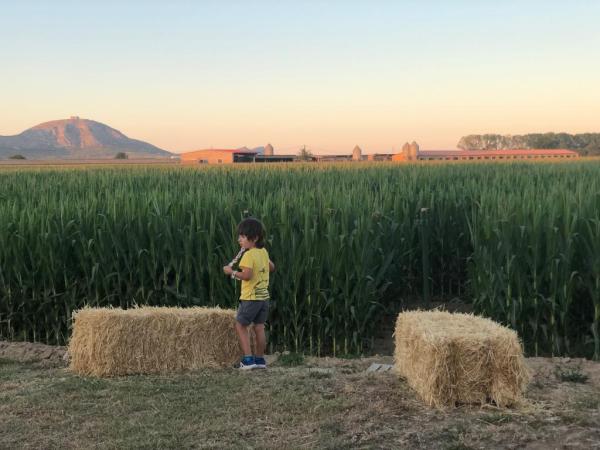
{"x": 187, "y": 75}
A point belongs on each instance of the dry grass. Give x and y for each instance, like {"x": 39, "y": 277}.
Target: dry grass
{"x": 282, "y": 408}
{"x": 454, "y": 359}
{"x": 109, "y": 342}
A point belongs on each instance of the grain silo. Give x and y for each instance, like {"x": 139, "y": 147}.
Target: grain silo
{"x": 406, "y": 151}
{"x": 414, "y": 151}
{"x": 356, "y": 154}
{"x": 268, "y": 150}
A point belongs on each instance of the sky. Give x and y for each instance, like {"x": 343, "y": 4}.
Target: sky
{"x": 328, "y": 75}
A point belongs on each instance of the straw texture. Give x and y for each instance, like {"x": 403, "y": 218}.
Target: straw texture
{"x": 109, "y": 342}
{"x": 452, "y": 359}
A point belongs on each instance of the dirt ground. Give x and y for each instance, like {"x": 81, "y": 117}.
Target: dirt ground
{"x": 29, "y": 352}
{"x": 376, "y": 410}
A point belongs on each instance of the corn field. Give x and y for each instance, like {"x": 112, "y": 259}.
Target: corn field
{"x": 520, "y": 241}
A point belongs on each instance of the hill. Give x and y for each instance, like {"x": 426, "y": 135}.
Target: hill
{"x": 586, "y": 144}
{"x": 75, "y": 138}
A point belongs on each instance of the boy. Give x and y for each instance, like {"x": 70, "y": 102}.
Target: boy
{"x": 255, "y": 267}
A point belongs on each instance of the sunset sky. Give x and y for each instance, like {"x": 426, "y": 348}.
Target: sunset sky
{"x": 186, "y": 75}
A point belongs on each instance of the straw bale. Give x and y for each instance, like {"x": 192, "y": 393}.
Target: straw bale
{"x": 452, "y": 359}
{"x": 109, "y": 342}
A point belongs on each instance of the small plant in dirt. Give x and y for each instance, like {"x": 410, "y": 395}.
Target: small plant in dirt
{"x": 589, "y": 402}
{"x": 570, "y": 374}
{"x": 291, "y": 359}
{"x": 496, "y": 418}
{"x": 453, "y": 437}
{"x": 319, "y": 375}
{"x": 459, "y": 446}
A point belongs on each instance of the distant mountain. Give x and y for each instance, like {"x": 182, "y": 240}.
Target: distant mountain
{"x": 75, "y": 138}
{"x": 585, "y": 144}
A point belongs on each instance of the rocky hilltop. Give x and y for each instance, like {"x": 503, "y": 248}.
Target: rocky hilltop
{"x": 77, "y": 139}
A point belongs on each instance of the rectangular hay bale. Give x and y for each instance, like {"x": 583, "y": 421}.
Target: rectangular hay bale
{"x": 456, "y": 358}
{"x": 111, "y": 341}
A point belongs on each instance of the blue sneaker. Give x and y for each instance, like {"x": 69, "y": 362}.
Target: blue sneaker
{"x": 247, "y": 363}
{"x": 260, "y": 362}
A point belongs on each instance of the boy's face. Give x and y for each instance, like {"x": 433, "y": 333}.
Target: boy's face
{"x": 245, "y": 242}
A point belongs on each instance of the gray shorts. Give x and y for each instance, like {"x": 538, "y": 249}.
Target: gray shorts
{"x": 252, "y": 311}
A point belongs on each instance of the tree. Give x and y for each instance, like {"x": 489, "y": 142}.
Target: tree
{"x": 121, "y": 155}
{"x": 17, "y": 157}
{"x": 584, "y": 143}
{"x": 304, "y": 154}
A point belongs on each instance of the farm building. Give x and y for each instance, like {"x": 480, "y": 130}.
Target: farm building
{"x": 218, "y": 156}
{"x": 274, "y": 158}
{"x": 229, "y": 156}
{"x": 380, "y": 157}
{"x": 268, "y": 155}
{"x": 332, "y": 158}
{"x": 340, "y": 158}
{"x": 411, "y": 152}
{"x": 357, "y": 155}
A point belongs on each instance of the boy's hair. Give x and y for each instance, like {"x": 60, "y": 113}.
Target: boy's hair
{"x": 253, "y": 229}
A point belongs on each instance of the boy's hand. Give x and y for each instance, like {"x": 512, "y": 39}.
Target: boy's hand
{"x": 227, "y": 270}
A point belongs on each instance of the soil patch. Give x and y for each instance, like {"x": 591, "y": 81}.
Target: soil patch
{"x": 321, "y": 403}
{"x": 34, "y": 352}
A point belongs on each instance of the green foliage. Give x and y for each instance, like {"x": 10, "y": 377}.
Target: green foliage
{"x": 586, "y": 144}
{"x": 121, "y": 155}
{"x": 305, "y": 155}
{"x": 521, "y": 240}
{"x": 535, "y": 257}
{"x": 319, "y": 375}
{"x": 570, "y": 374}
{"x": 290, "y": 359}
{"x": 17, "y": 157}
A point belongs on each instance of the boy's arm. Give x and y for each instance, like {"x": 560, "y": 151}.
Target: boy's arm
{"x": 246, "y": 264}
{"x": 245, "y": 273}
{"x": 271, "y": 266}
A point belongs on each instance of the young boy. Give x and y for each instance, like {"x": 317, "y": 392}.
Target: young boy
{"x": 255, "y": 267}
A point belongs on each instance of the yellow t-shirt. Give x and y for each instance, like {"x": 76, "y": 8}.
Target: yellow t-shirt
{"x": 257, "y": 287}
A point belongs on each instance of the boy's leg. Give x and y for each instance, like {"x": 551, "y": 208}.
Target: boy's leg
{"x": 259, "y": 328}
{"x": 261, "y": 340}
{"x": 261, "y": 343}
{"x": 241, "y": 327}
{"x": 242, "y": 332}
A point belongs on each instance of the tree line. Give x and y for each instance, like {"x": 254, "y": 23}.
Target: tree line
{"x": 586, "y": 144}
